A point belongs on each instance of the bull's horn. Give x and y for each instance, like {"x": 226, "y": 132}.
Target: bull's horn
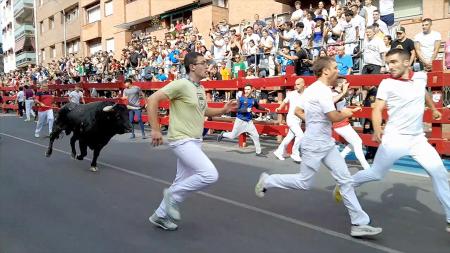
{"x": 129, "y": 107}
{"x": 108, "y": 108}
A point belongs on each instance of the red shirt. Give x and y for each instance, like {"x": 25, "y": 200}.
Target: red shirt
{"x": 46, "y": 99}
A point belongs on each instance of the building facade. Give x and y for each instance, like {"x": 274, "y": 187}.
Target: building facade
{"x": 82, "y": 27}
{"x": 25, "y": 52}
{"x": 7, "y": 20}
{"x": 58, "y": 29}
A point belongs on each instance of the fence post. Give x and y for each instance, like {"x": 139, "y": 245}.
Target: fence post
{"x": 437, "y": 95}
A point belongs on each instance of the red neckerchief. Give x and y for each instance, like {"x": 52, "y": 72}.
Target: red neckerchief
{"x": 411, "y": 74}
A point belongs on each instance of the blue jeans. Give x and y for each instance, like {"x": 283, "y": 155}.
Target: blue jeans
{"x": 138, "y": 113}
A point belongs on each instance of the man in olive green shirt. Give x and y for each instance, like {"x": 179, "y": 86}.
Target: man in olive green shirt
{"x": 188, "y": 108}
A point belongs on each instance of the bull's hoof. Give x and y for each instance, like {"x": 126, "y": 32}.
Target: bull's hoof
{"x": 79, "y": 157}
{"x": 93, "y": 169}
{"x": 73, "y": 155}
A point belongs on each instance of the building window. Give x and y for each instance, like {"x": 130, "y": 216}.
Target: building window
{"x": 221, "y": 3}
{"x": 52, "y": 52}
{"x": 94, "y": 47}
{"x": 51, "y": 23}
{"x": 93, "y": 14}
{"x": 109, "y": 8}
{"x": 41, "y": 27}
{"x": 72, "y": 15}
{"x": 43, "y": 54}
{"x": 72, "y": 47}
{"x": 408, "y": 8}
{"x": 110, "y": 45}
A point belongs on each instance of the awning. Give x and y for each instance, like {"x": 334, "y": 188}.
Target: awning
{"x": 128, "y": 25}
{"x": 25, "y": 44}
{"x": 180, "y": 10}
{"x": 20, "y": 44}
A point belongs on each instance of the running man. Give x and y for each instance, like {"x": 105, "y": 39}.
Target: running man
{"x": 293, "y": 122}
{"x": 344, "y": 128}
{"x": 188, "y": 108}
{"x": 243, "y": 122}
{"x": 317, "y": 146}
{"x": 404, "y": 95}
{"x": 44, "y": 100}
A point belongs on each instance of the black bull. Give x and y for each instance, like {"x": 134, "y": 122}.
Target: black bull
{"x": 93, "y": 125}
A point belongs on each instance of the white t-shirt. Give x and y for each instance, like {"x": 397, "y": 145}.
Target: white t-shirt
{"x": 20, "y": 96}
{"x": 317, "y": 101}
{"x": 297, "y": 15}
{"x": 75, "y": 96}
{"x": 350, "y": 30}
{"x": 373, "y": 50}
{"x": 361, "y": 23}
{"x": 293, "y": 98}
{"x": 290, "y": 35}
{"x": 267, "y": 42}
{"x": 369, "y": 14}
{"x": 383, "y": 27}
{"x": 426, "y": 42}
{"x": 405, "y": 101}
{"x": 386, "y": 7}
{"x": 219, "y": 49}
{"x": 255, "y": 37}
{"x": 333, "y": 11}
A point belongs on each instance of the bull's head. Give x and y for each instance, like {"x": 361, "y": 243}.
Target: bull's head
{"x": 117, "y": 116}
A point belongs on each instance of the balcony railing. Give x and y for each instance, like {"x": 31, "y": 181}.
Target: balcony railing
{"x": 25, "y": 58}
{"x": 21, "y": 4}
{"x": 23, "y": 30}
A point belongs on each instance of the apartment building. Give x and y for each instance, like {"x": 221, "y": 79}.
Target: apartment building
{"x": 92, "y": 25}
{"x": 58, "y": 29}
{"x": 7, "y": 28}
{"x": 25, "y": 51}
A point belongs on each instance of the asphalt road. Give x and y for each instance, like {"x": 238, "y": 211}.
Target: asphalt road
{"x": 56, "y": 205}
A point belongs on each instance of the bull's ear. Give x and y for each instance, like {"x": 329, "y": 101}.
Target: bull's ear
{"x": 108, "y": 108}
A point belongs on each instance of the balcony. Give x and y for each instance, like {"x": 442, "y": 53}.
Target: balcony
{"x": 23, "y": 11}
{"x": 137, "y": 11}
{"x": 23, "y": 30}
{"x": 25, "y": 58}
{"x": 91, "y": 31}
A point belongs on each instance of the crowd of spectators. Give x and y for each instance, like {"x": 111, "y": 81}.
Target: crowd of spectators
{"x": 357, "y": 34}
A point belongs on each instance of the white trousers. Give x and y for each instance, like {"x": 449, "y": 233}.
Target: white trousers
{"x": 394, "y": 147}
{"x": 194, "y": 171}
{"x": 28, "y": 108}
{"x": 295, "y": 131}
{"x": 45, "y": 117}
{"x": 240, "y": 127}
{"x": 338, "y": 168}
{"x": 354, "y": 143}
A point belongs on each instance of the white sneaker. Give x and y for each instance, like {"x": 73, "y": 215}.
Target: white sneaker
{"x": 278, "y": 155}
{"x": 163, "y": 223}
{"x": 260, "y": 186}
{"x": 364, "y": 230}
{"x": 296, "y": 158}
{"x": 36, "y": 135}
{"x": 171, "y": 205}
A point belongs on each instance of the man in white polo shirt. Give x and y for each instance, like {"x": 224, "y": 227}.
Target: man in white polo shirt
{"x": 293, "y": 122}
{"x": 317, "y": 146}
{"x": 427, "y": 45}
{"x": 404, "y": 95}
